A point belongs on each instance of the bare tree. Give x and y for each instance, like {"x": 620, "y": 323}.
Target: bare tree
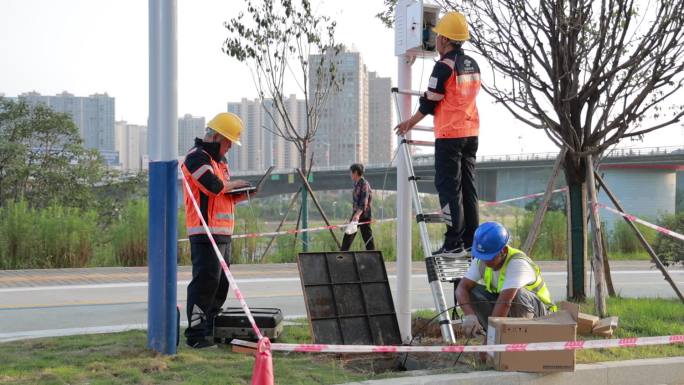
{"x": 277, "y": 38}
{"x": 588, "y": 73}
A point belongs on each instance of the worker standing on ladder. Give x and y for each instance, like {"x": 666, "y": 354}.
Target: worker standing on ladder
{"x": 206, "y": 170}
{"x": 452, "y": 89}
{"x": 512, "y": 284}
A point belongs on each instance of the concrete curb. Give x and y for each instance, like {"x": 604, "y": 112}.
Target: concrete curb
{"x": 656, "y": 371}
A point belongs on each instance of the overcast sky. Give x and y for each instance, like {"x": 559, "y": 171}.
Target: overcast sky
{"x": 95, "y": 46}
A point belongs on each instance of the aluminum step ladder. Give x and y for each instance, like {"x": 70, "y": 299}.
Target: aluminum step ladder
{"x": 441, "y": 267}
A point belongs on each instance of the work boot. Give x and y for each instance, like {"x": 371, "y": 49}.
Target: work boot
{"x": 449, "y": 250}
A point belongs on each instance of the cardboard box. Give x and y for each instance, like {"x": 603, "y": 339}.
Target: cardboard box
{"x": 586, "y": 323}
{"x": 559, "y": 326}
{"x": 605, "y": 327}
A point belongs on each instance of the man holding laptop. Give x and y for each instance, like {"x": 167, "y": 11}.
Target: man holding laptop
{"x": 206, "y": 170}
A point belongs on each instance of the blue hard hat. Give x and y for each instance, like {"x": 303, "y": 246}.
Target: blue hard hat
{"x": 490, "y": 238}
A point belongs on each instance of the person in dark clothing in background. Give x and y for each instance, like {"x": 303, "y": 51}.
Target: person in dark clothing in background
{"x": 452, "y": 89}
{"x": 362, "y": 198}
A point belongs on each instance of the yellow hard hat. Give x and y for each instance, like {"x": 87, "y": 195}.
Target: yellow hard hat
{"x": 227, "y": 124}
{"x": 454, "y": 26}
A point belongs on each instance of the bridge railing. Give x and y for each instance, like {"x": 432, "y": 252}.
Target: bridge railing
{"x": 422, "y": 160}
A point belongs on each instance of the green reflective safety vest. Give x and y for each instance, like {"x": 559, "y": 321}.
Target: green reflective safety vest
{"x": 538, "y": 287}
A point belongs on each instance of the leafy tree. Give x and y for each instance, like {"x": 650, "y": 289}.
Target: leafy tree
{"x": 588, "y": 73}
{"x": 42, "y": 158}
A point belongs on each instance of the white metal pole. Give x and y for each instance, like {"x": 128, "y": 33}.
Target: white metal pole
{"x": 168, "y": 82}
{"x": 153, "y": 149}
{"x": 404, "y": 213}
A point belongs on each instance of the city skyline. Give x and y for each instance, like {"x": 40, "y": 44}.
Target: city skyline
{"x": 87, "y": 63}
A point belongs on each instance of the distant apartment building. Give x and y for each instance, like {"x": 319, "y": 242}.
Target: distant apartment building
{"x": 262, "y": 146}
{"x": 131, "y": 144}
{"x": 189, "y": 128}
{"x": 342, "y": 136}
{"x": 379, "y": 119}
{"x": 93, "y": 115}
{"x": 249, "y": 156}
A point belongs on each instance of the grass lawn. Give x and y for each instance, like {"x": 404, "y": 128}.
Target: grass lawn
{"x": 639, "y": 318}
{"x": 122, "y": 358}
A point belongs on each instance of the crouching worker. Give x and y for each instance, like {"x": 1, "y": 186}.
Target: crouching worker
{"x": 206, "y": 171}
{"x": 501, "y": 282}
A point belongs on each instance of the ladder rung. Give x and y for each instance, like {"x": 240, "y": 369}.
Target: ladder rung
{"x": 430, "y": 218}
{"x": 407, "y": 92}
{"x": 418, "y": 142}
{"x": 423, "y": 128}
{"x": 422, "y": 178}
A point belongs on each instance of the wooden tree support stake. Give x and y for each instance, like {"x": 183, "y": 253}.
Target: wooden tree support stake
{"x": 599, "y": 275}
{"x": 280, "y": 225}
{"x": 541, "y": 211}
{"x": 318, "y": 206}
{"x": 644, "y": 243}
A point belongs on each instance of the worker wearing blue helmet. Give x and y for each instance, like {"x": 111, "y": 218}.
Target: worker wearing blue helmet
{"x": 501, "y": 282}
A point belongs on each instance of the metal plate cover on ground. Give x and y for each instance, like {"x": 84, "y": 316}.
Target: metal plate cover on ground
{"x": 348, "y": 298}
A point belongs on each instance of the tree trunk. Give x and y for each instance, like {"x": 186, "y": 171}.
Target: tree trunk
{"x": 305, "y": 203}
{"x": 575, "y": 175}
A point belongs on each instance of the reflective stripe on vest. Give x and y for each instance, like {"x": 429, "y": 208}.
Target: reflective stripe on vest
{"x": 538, "y": 287}
{"x": 199, "y": 230}
{"x": 228, "y": 216}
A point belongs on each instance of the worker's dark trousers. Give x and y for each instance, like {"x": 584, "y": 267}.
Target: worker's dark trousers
{"x": 366, "y": 234}
{"x": 455, "y": 183}
{"x": 525, "y": 304}
{"x": 207, "y": 291}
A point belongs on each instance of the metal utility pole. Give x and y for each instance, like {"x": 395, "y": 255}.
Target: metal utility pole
{"x": 404, "y": 218}
{"x": 162, "y": 246}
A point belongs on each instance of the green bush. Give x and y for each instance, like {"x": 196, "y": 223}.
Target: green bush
{"x": 129, "y": 235}
{"x": 552, "y": 238}
{"x": 623, "y": 240}
{"x": 668, "y": 248}
{"x": 52, "y": 237}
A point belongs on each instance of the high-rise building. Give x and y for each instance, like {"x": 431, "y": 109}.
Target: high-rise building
{"x": 249, "y": 156}
{"x": 262, "y": 145}
{"x": 131, "y": 143}
{"x": 342, "y": 136}
{"x": 189, "y": 128}
{"x": 278, "y": 151}
{"x": 93, "y": 115}
{"x": 379, "y": 119}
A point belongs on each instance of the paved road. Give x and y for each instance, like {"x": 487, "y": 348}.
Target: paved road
{"x": 36, "y": 303}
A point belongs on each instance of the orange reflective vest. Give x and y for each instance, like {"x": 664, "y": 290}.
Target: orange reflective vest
{"x": 456, "y": 115}
{"x": 220, "y": 208}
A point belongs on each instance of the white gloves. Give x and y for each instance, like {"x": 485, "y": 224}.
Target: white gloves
{"x": 351, "y": 228}
{"x": 471, "y": 326}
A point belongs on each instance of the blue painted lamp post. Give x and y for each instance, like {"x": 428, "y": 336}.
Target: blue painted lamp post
{"x": 162, "y": 247}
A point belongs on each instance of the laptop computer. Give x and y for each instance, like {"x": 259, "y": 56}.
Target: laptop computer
{"x": 253, "y": 188}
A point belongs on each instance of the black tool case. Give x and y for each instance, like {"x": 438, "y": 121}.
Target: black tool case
{"x": 233, "y": 323}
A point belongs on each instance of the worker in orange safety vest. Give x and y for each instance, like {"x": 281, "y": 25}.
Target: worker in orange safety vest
{"x": 206, "y": 170}
{"x": 452, "y": 89}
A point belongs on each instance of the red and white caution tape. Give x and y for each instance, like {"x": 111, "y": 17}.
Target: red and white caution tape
{"x": 521, "y": 197}
{"x": 632, "y": 218}
{"x": 310, "y": 229}
{"x": 224, "y": 265}
{"x": 535, "y": 346}
{"x": 323, "y": 228}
